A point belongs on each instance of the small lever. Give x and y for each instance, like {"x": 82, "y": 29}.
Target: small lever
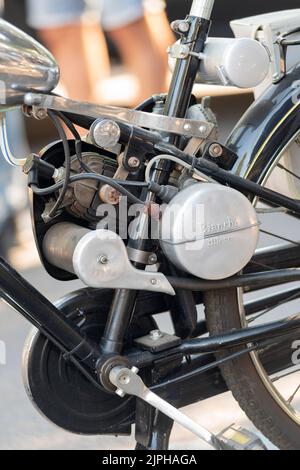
{"x": 129, "y": 383}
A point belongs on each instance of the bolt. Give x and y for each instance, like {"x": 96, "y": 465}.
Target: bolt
{"x": 121, "y": 393}
{"x": 154, "y": 282}
{"x": 31, "y": 99}
{"x": 180, "y": 26}
{"x": 187, "y": 127}
{"x": 215, "y": 150}
{"x": 133, "y": 162}
{"x": 102, "y": 259}
{"x": 40, "y": 114}
{"x": 152, "y": 259}
{"x": 105, "y": 133}
{"x": 203, "y": 129}
{"x": 135, "y": 370}
{"x": 155, "y": 335}
{"x": 183, "y": 26}
{"x": 124, "y": 379}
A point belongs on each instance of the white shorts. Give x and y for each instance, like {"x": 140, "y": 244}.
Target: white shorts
{"x": 113, "y": 14}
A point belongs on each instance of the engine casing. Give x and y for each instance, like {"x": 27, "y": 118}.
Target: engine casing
{"x": 209, "y": 231}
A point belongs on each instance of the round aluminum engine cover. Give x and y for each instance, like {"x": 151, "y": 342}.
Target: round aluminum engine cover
{"x": 209, "y": 231}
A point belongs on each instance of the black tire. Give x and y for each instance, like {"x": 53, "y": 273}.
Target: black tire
{"x": 244, "y": 380}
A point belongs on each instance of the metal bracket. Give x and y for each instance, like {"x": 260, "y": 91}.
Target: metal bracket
{"x": 186, "y": 127}
{"x": 128, "y": 382}
{"x": 100, "y": 260}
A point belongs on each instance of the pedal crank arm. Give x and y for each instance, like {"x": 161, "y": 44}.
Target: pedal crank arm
{"x": 128, "y": 382}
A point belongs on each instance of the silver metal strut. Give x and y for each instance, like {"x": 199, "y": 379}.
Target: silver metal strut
{"x": 186, "y": 127}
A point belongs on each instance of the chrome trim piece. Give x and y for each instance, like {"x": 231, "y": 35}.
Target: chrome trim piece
{"x": 25, "y": 65}
{"x": 5, "y": 147}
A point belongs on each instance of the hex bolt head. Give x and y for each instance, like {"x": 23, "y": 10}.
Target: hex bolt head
{"x": 215, "y": 150}
{"x": 102, "y": 259}
{"x": 155, "y": 335}
{"x": 152, "y": 259}
{"x": 40, "y": 114}
{"x": 133, "y": 162}
{"x": 203, "y": 129}
{"x": 180, "y": 26}
{"x": 184, "y": 26}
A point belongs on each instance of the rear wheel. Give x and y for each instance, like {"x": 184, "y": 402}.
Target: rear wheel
{"x": 267, "y": 390}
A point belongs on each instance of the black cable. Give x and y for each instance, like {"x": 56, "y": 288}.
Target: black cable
{"x": 66, "y": 147}
{"x": 90, "y": 174}
{"x": 116, "y": 184}
{"x": 78, "y": 141}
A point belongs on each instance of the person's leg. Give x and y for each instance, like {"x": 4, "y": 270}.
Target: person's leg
{"x": 83, "y": 58}
{"x": 130, "y": 31}
{"x": 77, "y": 43}
{"x": 158, "y": 23}
{"x": 137, "y": 51}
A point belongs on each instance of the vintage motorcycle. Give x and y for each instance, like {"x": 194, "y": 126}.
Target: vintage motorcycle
{"x": 153, "y": 214}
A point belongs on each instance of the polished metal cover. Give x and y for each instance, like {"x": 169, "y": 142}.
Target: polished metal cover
{"x": 210, "y": 231}
{"x": 25, "y": 65}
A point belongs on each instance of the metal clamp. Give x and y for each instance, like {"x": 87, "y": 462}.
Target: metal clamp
{"x": 128, "y": 382}
{"x": 186, "y": 127}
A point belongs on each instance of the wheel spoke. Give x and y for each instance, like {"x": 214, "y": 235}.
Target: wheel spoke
{"x": 293, "y": 297}
{"x": 280, "y": 237}
{"x": 278, "y": 210}
{"x": 288, "y": 171}
{"x": 285, "y": 301}
{"x": 284, "y": 376}
{"x": 292, "y": 397}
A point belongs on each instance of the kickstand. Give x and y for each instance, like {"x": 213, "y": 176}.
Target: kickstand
{"x": 153, "y": 428}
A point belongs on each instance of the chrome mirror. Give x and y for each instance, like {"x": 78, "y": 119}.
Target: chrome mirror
{"x": 25, "y": 65}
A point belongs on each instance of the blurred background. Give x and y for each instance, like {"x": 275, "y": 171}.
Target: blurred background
{"x": 112, "y": 56}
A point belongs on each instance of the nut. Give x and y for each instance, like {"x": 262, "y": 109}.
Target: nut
{"x": 109, "y": 195}
{"x": 215, "y": 150}
{"x": 152, "y": 259}
{"x": 155, "y": 335}
{"x": 133, "y": 162}
{"x": 180, "y": 26}
{"x": 102, "y": 259}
